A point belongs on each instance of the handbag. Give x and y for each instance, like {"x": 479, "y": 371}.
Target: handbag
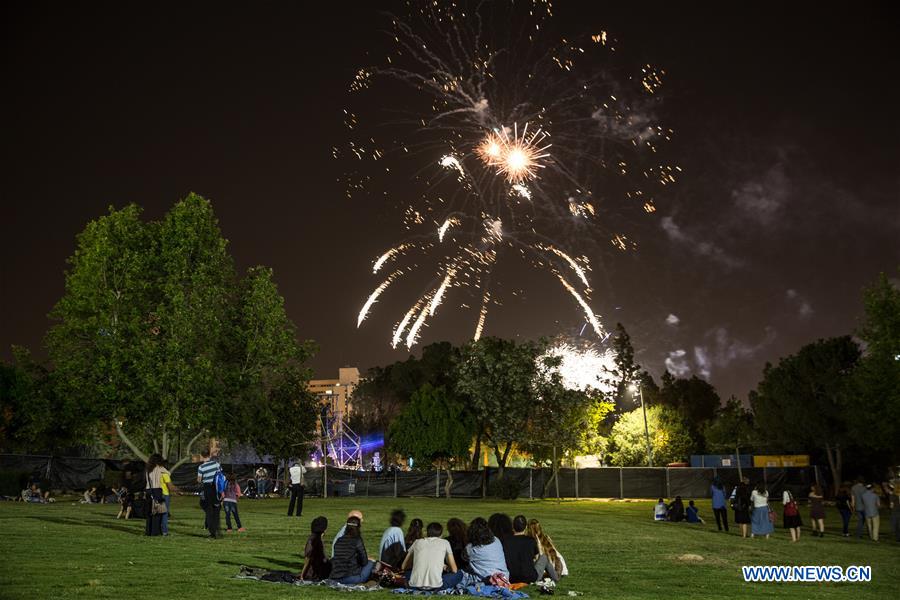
{"x": 772, "y": 516}
{"x": 157, "y": 507}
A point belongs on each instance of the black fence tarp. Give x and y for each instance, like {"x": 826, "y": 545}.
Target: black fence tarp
{"x": 606, "y": 482}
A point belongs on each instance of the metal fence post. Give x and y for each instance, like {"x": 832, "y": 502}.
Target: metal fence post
{"x": 395, "y": 483}
{"x": 368, "y": 482}
{"x": 530, "y": 489}
{"x": 668, "y": 487}
{"x": 576, "y": 480}
{"x": 621, "y": 485}
{"x": 816, "y": 472}
{"x": 437, "y": 483}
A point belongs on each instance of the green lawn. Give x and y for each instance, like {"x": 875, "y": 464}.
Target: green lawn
{"x": 614, "y": 550}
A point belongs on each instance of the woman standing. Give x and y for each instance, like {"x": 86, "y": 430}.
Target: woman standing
{"x": 843, "y": 503}
{"x": 153, "y": 495}
{"x": 791, "y": 515}
{"x": 817, "y": 510}
{"x": 760, "y": 523}
{"x": 717, "y": 491}
{"x": 742, "y": 506}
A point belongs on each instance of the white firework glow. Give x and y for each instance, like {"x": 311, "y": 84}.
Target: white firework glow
{"x": 584, "y": 367}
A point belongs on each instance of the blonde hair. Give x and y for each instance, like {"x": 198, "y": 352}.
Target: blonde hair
{"x": 544, "y": 543}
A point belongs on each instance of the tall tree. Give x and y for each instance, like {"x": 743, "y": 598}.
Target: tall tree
{"x": 695, "y": 399}
{"x": 626, "y": 371}
{"x": 434, "y": 428}
{"x": 730, "y": 429}
{"x": 802, "y": 403}
{"x": 876, "y": 403}
{"x": 670, "y": 440}
{"x": 499, "y": 376}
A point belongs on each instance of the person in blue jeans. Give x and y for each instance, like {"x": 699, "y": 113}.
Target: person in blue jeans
{"x": 856, "y": 496}
{"x": 350, "y": 564}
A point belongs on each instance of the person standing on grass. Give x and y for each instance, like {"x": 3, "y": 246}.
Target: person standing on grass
{"x": 792, "y": 521}
{"x": 844, "y": 504}
{"x": 428, "y": 556}
{"x": 262, "y": 481}
{"x": 817, "y": 510}
{"x": 168, "y": 489}
{"x": 153, "y": 493}
{"x": 230, "y": 503}
{"x": 717, "y": 491}
{"x": 856, "y": 496}
{"x": 740, "y": 502}
{"x": 760, "y": 522}
{"x": 350, "y": 564}
{"x": 871, "y": 504}
{"x": 298, "y": 485}
{"x": 212, "y": 503}
{"x": 894, "y": 503}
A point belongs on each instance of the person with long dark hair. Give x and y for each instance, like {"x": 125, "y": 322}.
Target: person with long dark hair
{"x": 153, "y": 495}
{"x": 315, "y": 566}
{"x": 817, "y": 510}
{"x": 761, "y": 523}
{"x": 458, "y": 538}
{"x": 844, "y": 505}
{"x": 740, "y": 502}
{"x": 415, "y": 532}
{"x": 486, "y": 557}
{"x": 350, "y": 564}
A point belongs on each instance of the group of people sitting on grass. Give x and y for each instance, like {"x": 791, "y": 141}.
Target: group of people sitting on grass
{"x": 500, "y": 551}
{"x": 676, "y": 511}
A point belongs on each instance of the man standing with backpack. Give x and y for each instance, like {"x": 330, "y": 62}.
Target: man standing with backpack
{"x": 210, "y": 498}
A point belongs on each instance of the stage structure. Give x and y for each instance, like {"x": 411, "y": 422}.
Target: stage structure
{"x": 336, "y": 440}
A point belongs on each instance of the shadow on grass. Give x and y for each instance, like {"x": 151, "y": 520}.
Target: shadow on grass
{"x": 67, "y": 521}
{"x": 244, "y": 564}
{"x": 283, "y": 563}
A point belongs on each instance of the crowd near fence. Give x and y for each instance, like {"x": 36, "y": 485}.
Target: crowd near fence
{"x": 75, "y": 474}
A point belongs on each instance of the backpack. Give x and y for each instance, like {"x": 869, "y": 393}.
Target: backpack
{"x": 790, "y": 509}
{"x": 220, "y": 482}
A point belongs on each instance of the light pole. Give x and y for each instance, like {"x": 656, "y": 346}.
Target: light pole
{"x": 640, "y": 390}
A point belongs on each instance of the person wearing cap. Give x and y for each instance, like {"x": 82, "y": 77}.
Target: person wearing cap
{"x": 315, "y": 566}
{"x": 343, "y": 529}
{"x": 350, "y": 564}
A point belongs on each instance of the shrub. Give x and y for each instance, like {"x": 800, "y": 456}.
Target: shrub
{"x": 506, "y": 488}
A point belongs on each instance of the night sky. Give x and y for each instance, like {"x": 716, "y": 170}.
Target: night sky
{"x": 786, "y": 130}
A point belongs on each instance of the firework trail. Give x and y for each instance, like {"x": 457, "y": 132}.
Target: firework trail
{"x": 513, "y": 138}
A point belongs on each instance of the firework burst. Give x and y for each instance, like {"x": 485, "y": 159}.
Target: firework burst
{"x": 499, "y": 86}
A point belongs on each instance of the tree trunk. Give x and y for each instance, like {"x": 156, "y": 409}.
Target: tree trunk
{"x": 187, "y": 451}
{"x": 449, "y": 481}
{"x": 477, "y": 454}
{"x": 137, "y": 451}
{"x": 834, "y": 461}
{"x": 502, "y": 458}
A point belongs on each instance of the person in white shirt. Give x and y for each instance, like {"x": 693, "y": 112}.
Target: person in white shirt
{"x": 760, "y": 523}
{"x": 428, "y": 556}
{"x": 297, "y": 485}
{"x": 262, "y": 480}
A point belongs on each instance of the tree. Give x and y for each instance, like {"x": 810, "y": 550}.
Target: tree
{"x": 730, "y": 429}
{"x": 695, "y": 399}
{"x": 626, "y": 371}
{"x": 670, "y": 440}
{"x": 802, "y": 403}
{"x": 876, "y": 404}
{"x": 435, "y": 428}
{"x": 498, "y": 377}
{"x": 157, "y": 335}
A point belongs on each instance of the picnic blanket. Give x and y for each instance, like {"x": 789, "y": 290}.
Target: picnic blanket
{"x": 480, "y": 590}
{"x": 289, "y": 578}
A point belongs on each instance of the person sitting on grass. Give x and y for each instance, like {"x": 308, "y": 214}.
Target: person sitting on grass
{"x": 486, "y": 557}
{"x": 415, "y": 532}
{"x": 33, "y": 494}
{"x": 353, "y": 513}
{"x": 676, "y": 510}
{"x": 525, "y": 563}
{"x": 660, "y": 510}
{"x": 90, "y": 496}
{"x": 315, "y": 566}
{"x": 350, "y": 564}
{"x": 427, "y": 557}
{"x": 457, "y": 535}
{"x": 501, "y": 526}
{"x": 392, "y": 549}
{"x": 547, "y": 548}
{"x": 692, "y": 514}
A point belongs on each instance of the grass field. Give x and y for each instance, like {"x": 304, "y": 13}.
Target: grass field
{"x": 613, "y": 549}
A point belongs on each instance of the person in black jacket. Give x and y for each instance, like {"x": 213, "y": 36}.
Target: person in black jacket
{"x": 350, "y": 563}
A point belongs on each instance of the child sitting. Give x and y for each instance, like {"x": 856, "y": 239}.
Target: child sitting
{"x": 660, "y": 510}
{"x": 693, "y": 514}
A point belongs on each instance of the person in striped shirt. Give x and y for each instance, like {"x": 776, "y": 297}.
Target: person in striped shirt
{"x": 212, "y": 503}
